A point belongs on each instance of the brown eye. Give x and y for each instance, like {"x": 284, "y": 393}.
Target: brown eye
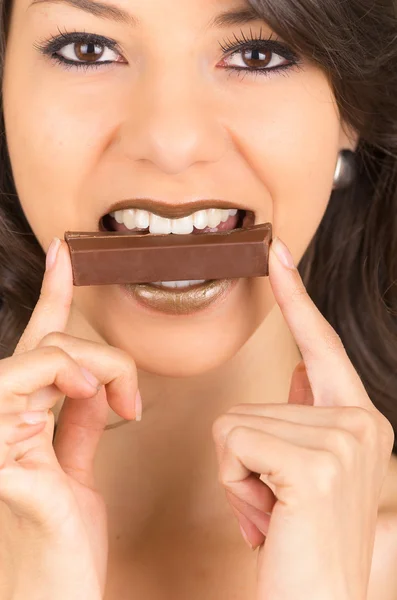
{"x": 88, "y": 52}
{"x": 259, "y": 58}
{"x": 256, "y": 59}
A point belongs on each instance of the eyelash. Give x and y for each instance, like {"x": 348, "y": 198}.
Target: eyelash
{"x": 55, "y": 43}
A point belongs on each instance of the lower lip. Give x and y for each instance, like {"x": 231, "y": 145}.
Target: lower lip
{"x": 179, "y": 301}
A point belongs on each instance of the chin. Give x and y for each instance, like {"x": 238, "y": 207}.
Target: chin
{"x": 186, "y": 345}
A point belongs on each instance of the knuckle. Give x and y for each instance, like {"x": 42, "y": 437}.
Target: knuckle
{"x": 56, "y": 354}
{"x": 369, "y": 431}
{"x": 369, "y": 428}
{"x": 325, "y": 472}
{"x": 387, "y": 434}
{"x": 127, "y": 364}
{"x": 221, "y": 427}
{"x": 345, "y": 445}
{"x": 235, "y": 437}
{"x": 222, "y": 477}
{"x": 233, "y": 442}
{"x": 52, "y": 339}
{"x": 365, "y": 425}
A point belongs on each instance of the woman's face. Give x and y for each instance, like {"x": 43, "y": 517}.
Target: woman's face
{"x": 162, "y": 115}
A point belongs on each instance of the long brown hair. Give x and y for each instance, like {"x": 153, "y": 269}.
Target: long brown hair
{"x": 350, "y": 266}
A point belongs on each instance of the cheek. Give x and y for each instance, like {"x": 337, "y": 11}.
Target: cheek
{"x": 54, "y": 142}
{"x": 290, "y": 142}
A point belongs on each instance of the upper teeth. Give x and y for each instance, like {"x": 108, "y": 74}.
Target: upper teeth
{"x": 135, "y": 218}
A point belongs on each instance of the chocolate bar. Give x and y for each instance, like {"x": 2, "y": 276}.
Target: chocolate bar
{"x": 111, "y": 257}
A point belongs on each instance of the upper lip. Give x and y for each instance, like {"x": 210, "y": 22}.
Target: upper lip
{"x": 174, "y": 211}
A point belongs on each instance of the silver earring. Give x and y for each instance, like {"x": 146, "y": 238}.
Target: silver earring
{"x": 346, "y": 170}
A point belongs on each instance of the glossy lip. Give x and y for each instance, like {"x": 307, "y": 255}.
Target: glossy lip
{"x": 174, "y": 211}
{"x": 177, "y": 303}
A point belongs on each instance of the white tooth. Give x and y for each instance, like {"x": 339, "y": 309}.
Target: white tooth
{"x": 118, "y": 215}
{"x": 233, "y": 212}
{"x": 111, "y": 214}
{"x": 142, "y": 219}
{"x": 180, "y": 284}
{"x": 184, "y": 225}
{"x": 129, "y": 218}
{"x": 159, "y": 224}
{"x": 200, "y": 219}
{"x": 171, "y": 284}
{"x": 225, "y": 215}
{"x": 214, "y": 217}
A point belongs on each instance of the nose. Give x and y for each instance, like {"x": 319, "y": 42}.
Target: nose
{"x": 173, "y": 124}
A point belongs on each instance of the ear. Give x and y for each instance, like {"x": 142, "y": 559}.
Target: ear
{"x": 348, "y": 138}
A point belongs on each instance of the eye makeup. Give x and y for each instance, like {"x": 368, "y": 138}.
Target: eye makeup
{"x": 257, "y": 45}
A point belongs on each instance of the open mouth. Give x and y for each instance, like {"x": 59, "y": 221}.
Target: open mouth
{"x": 203, "y": 221}
{"x": 142, "y": 222}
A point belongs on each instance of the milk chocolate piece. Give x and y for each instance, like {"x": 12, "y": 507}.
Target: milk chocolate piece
{"x": 111, "y": 257}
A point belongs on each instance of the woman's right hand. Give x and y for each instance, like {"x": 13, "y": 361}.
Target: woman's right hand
{"x": 54, "y": 538}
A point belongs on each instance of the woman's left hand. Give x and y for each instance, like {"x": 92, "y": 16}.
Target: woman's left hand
{"x": 324, "y": 456}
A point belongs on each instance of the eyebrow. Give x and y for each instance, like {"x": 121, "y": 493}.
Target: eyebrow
{"x": 240, "y": 16}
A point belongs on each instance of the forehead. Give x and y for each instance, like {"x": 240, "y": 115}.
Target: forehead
{"x": 211, "y": 14}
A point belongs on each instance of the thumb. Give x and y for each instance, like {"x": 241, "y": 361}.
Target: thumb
{"x": 300, "y": 390}
{"x": 80, "y": 426}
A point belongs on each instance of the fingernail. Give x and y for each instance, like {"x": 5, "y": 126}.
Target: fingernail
{"x": 282, "y": 253}
{"x": 52, "y": 253}
{"x": 90, "y": 378}
{"x": 32, "y": 418}
{"x": 245, "y": 536}
{"x": 138, "y": 406}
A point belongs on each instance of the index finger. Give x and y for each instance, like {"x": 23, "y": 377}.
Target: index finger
{"x": 333, "y": 378}
{"x": 51, "y": 312}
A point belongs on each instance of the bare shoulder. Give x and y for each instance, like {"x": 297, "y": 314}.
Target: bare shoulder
{"x": 383, "y": 580}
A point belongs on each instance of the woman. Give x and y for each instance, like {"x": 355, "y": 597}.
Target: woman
{"x": 260, "y": 401}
